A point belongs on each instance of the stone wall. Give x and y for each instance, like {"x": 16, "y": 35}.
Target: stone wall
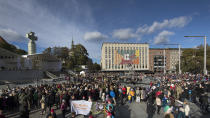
{"x": 21, "y": 75}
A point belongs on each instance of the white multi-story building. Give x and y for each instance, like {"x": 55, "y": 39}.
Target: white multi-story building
{"x": 174, "y": 59}
{"x": 124, "y": 57}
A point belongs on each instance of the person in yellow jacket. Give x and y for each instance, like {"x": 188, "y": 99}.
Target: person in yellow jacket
{"x": 132, "y": 93}
{"x": 129, "y": 98}
{"x": 128, "y": 90}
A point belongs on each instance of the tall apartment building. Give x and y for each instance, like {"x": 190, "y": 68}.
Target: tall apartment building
{"x": 156, "y": 61}
{"x": 124, "y": 57}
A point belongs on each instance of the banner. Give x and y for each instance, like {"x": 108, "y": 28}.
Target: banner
{"x": 81, "y": 107}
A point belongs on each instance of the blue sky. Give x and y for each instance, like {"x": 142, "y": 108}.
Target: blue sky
{"x": 92, "y": 22}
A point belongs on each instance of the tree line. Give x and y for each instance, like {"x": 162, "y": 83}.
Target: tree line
{"x": 192, "y": 59}
{"x": 73, "y": 58}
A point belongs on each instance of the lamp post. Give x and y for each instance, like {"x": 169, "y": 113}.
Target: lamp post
{"x": 179, "y": 46}
{"x": 204, "y": 68}
{"x": 180, "y": 72}
{"x": 164, "y": 59}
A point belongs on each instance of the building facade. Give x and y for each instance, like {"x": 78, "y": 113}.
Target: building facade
{"x": 124, "y": 57}
{"x": 44, "y": 62}
{"x": 156, "y": 61}
{"x": 10, "y": 60}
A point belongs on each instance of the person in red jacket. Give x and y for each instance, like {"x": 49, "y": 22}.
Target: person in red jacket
{"x": 158, "y": 93}
{"x": 124, "y": 91}
{"x": 151, "y": 84}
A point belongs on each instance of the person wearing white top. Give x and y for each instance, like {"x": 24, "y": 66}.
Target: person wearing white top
{"x": 158, "y": 103}
{"x": 186, "y": 108}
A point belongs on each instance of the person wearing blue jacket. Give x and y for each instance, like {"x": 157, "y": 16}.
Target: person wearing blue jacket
{"x": 112, "y": 94}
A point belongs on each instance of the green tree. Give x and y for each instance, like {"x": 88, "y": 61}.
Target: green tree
{"x": 79, "y": 54}
{"x": 74, "y": 57}
{"x": 192, "y": 59}
{"x": 47, "y": 51}
{"x": 5, "y": 45}
{"x": 93, "y": 67}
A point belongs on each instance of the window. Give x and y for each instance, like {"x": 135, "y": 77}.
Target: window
{"x": 106, "y": 63}
{"x": 105, "y": 50}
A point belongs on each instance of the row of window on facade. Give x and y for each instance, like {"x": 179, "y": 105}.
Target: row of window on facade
{"x": 7, "y": 57}
{"x": 159, "y": 64}
{"x": 124, "y": 50}
{"x": 140, "y": 53}
{"x": 124, "y": 66}
{"x": 9, "y": 68}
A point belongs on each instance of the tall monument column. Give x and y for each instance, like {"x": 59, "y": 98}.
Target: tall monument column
{"x": 31, "y": 43}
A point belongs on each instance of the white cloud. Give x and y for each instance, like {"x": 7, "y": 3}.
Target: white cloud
{"x": 53, "y": 25}
{"x": 11, "y": 35}
{"x": 51, "y": 29}
{"x": 124, "y": 34}
{"x": 178, "y": 22}
{"x": 163, "y": 37}
{"x": 94, "y": 36}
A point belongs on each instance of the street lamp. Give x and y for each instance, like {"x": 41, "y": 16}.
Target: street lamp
{"x": 179, "y": 46}
{"x": 204, "y": 68}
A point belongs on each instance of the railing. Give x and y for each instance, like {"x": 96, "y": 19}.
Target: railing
{"x": 71, "y": 72}
{"x": 52, "y": 76}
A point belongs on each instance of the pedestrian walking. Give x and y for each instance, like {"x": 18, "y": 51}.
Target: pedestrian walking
{"x": 43, "y": 105}
{"x": 63, "y": 108}
{"x": 52, "y": 114}
{"x": 158, "y": 103}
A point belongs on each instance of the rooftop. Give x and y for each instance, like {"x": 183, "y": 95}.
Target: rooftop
{"x": 121, "y": 43}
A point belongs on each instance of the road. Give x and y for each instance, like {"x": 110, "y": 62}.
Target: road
{"x": 138, "y": 110}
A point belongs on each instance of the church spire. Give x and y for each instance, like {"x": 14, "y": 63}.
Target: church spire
{"x": 72, "y": 43}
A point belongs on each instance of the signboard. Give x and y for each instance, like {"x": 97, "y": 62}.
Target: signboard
{"x": 137, "y": 99}
{"x": 81, "y": 107}
{"x": 126, "y": 57}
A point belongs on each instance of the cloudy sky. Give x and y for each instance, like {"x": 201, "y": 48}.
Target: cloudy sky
{"x": 92, "y": 22}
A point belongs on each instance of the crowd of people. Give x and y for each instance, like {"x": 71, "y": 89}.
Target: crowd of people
{"x": 59, "y": 96}
{"x": 169, "y": 93}
{"x": 172, "y": 94}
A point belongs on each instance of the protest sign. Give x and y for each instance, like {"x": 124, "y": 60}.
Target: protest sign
{"x": 81, "y": 107}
